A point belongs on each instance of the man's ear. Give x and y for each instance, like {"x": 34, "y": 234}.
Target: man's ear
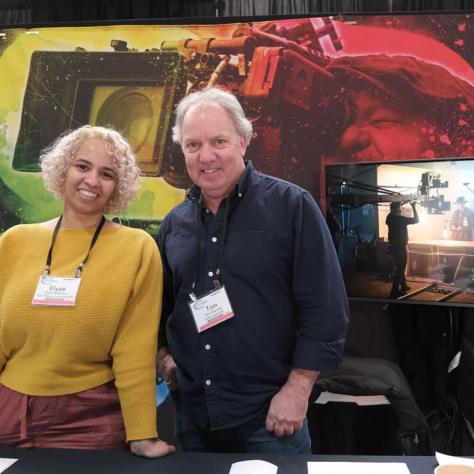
{"x": 243, "y": 146}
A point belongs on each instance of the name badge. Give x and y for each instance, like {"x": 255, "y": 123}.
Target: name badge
{"x": 56, "y": 291}
{"x": 211, "y": 309}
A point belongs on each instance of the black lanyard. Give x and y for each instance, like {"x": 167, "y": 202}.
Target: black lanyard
{"x": 220, "y": 250}
{"x": 79, "y": 269}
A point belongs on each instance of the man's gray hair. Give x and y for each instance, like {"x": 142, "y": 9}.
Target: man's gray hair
{"x": 213, "y": 96}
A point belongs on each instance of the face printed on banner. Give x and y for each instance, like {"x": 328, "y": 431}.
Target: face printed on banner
{"x": 91, "y": 179}
{"x": 213, "y": 150}
{"x": 381, "y": 130}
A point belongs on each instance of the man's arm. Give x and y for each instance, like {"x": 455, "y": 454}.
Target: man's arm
{"x": 165, "y": 362}
{"x": 289, "y": 406}
{"x": 398, "y": 219}
{"x": 321, "y": 316}
{"x": 167, "y": 367}
{"x": 416, "y": 219}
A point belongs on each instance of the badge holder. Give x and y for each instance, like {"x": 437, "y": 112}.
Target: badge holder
{"x": 210, "y": 309}
{"x": 59, "y": 290}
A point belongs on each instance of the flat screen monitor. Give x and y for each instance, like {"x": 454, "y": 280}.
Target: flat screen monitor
{"x": 404, "y": 231}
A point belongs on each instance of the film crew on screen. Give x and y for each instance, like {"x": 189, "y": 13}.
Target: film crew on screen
{"x": 80, "y": 309}
{"x": 254, "y": 302}
{"x": 398, "y": 238}
{"x": 462, "y": 221}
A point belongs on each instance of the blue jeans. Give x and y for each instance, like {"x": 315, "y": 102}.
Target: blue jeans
{"x": 248, "y": 438}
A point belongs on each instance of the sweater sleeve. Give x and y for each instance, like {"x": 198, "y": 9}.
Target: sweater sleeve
{"x": 135, "y": 345}
{"x": 3, "y": 355}
{"x": 3, "y": 253}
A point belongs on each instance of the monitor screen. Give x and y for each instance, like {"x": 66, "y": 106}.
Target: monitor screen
{"x": 404, "y": 231}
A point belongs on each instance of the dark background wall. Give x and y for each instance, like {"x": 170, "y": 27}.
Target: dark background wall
{"x": 40, "y": 11}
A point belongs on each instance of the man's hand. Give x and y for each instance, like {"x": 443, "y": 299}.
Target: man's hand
{"x": 289, "y": 406}
{"x": 151, "y": 448}
{"x": 167, "y": 367}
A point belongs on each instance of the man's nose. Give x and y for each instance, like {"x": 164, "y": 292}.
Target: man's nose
{"x": 355, "y": 138}
{"x": 207, "y": 152}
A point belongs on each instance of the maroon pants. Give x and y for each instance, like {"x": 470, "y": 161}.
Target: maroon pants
{"x": 86, "y": 420}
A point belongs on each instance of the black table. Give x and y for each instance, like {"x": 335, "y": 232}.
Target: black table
{"x": 65, "y": 461}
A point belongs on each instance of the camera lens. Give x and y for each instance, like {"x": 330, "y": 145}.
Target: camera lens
{"x": 130, "y": 112}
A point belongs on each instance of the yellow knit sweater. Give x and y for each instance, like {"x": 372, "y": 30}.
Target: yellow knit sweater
{"x": 111, "y": 333}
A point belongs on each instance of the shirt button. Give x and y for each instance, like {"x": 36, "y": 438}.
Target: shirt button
{"x": 208, "y": 382}
{"x": 207, "y": 347}
{"x": 207, "y": 211}
{"x": 240, "y": 195}
{"x": 214, "y": 239}
{"x": 211, "y": 274}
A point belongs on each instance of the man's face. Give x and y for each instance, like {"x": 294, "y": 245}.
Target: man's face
{"x": 380, "y": 130}
{"x": 213, "y": 150}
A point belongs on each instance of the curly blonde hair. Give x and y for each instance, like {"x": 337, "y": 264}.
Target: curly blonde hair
{"x": 55, "y": 161}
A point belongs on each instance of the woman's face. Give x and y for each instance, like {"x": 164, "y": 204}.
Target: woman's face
{"x": 91, "y": 179}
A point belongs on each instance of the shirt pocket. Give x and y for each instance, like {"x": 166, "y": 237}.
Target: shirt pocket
{"x": 248, "y": 253}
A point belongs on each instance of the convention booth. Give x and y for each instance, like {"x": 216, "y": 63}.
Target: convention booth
{"x": 364, "y": 111}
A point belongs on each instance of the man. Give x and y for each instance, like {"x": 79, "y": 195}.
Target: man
{"x": 254, "y": 302}
{"x": 398, "y": 238}
{"x": 462, "y": 221}
{"x": 401, "y": 107}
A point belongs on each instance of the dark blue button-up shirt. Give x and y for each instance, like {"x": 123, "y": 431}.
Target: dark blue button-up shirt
{"x": 283, "y": 280}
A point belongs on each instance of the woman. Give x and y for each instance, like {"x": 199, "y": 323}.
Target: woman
{"x": 79, "y": 309}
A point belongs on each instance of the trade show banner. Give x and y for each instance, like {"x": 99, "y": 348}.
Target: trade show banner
{"x": 363, "y": 111}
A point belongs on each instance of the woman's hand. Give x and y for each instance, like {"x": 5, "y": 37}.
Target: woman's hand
{"x": 151, "y": 448}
